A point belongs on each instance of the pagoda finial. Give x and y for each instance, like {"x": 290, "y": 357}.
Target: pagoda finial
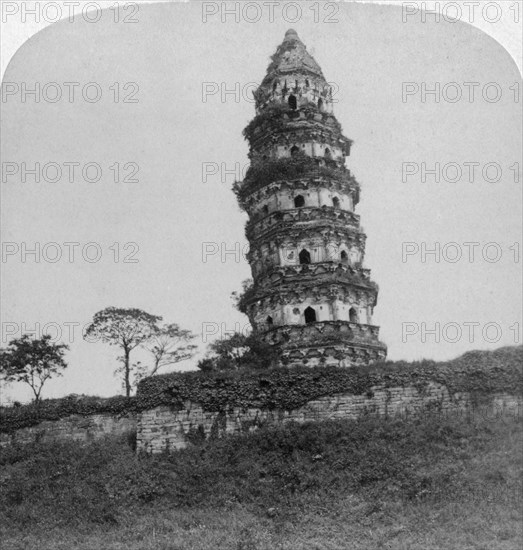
{"x": 291, "y": 34}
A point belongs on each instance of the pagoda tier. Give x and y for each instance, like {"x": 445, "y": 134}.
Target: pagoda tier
{"x": 278, "y": 129}
{"x": 311, "y": 296}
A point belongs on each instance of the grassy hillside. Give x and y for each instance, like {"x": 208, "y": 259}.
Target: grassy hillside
{"x": 430, "y": 483}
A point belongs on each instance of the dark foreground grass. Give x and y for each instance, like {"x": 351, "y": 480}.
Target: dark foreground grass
{"x": 431, "y": 483}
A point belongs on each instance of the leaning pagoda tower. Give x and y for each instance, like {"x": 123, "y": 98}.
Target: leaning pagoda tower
{"x": 311, "y": 296}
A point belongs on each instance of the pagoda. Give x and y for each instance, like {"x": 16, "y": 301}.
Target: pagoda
{"x": 311, "y": 297}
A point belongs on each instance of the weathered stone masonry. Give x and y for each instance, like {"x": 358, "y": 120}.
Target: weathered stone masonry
{"x": 75, "y": 427}
{"x": 163, "y": 429}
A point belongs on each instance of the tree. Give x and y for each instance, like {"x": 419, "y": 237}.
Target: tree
{"x": 137, "y": 369}
{"x": 228, "y": 353}
{"x": 168, "y": 344}
{"x": 239, "y": 351}
{"x": 127, "y": 328}
{"x": 32, "y": 361}
{"x": 238, "y": 298}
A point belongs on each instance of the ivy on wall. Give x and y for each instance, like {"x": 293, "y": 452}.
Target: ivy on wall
{"x": 480, "y": 373}
{"x": 15, "y": 418}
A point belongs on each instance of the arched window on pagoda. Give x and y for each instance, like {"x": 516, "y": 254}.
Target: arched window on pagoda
{"x": 294, "y": 150}
{"x": 310, "y": 315}
{"x": 299, "y": 201}
{"x": 344, "y": 256}
{"x": 265, "y": 209}
{"x": 293, "y": 103}
{"x": 320, "y": 104}
{"x": 270, "y": 322}
{"x": 353, "y": 315}
{"x": 305, "y": 257}
{"x": 336, "y": 202}
{"x": 328, "y": 154}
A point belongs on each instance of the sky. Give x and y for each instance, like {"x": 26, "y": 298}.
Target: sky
{"x": 153, "y": 117}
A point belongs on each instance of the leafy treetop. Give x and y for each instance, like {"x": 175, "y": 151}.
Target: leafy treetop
{"x": 127, "y": 328}
{"x": 32, "y": 361}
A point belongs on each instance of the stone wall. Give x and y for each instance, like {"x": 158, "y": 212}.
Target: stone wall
{"x": 163, "y": 428}
{"x": 76, "y": 428}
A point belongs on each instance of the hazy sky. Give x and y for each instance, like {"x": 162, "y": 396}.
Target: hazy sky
{"x": 171, "y": 132}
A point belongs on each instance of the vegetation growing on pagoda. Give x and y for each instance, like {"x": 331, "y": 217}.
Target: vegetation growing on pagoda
{"x": 299, "y": 165}
{"x": 277, "y": 116}
{"x": 240, "y": 299}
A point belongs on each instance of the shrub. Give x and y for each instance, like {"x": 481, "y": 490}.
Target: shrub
{"x": 239, "y": 351}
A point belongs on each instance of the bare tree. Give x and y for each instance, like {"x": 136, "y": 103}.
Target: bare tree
{"x": 169, "y": 344}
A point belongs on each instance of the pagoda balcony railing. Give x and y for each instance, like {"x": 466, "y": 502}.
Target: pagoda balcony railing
{"x": 322, "y": 332}
{"x": 335, "y": 269}
{"x": 279, "y": 279}
{"x": 249, "y": 196}
{"x": 259, "y": 225}
{"x": 279, "y": 117}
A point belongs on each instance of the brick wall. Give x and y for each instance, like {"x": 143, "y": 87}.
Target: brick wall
{"x": 76, "y": 427}
{"x": 162, "y": 428}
